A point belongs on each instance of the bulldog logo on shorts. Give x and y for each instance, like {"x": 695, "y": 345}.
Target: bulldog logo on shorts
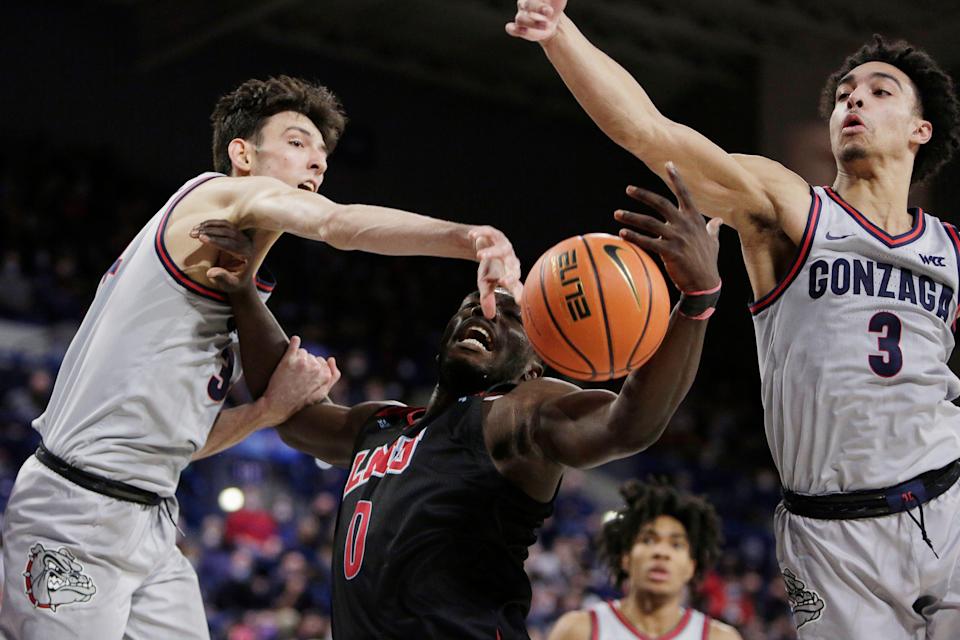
{"x": 806, "y": 604}
{"x": 54, "y": 578}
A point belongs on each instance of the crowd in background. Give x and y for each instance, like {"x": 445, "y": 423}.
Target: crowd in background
{"x": 265, "y": 569}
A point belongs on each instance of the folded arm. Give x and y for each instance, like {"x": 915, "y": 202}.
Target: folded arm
{"x": 299, "y": 380}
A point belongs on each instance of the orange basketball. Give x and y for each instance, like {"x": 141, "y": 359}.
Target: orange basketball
{"x": 595, "y": 307}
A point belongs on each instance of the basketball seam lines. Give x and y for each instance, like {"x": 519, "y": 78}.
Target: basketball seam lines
{"x": 546, "y": 303}
{"x": 603, "y": 304}
{"x": 646, "y": 322}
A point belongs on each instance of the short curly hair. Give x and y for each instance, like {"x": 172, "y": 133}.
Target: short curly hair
{"x": 243, "y": 112}
{"x": 937, "y": 99}
{"x": 646, "y": 502}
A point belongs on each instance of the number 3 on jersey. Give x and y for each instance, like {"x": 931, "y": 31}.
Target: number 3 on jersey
{"x": 356, "y": 539}
{"x": 889, "y": 329}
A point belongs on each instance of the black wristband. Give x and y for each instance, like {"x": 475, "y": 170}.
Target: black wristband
{"x": 699, "y": 305}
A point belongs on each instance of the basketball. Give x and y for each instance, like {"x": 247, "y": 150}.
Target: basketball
{"x": 595, "y": 307}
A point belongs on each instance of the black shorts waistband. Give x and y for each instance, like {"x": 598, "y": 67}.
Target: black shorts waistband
{"x": 871, "y": 503}
{"x": 93, "y": 482}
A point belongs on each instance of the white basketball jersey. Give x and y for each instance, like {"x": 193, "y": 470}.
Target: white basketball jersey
{"x": 146, "y": 374}
{"x": 853, "y": 347}
{"x": 607, "y": 623}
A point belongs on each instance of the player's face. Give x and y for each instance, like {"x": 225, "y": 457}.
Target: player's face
{"x": 290, "y": 149}
{"x": 477, "y": 353}
{"x": 659, "y": 561}
{"x": 875, "y": 115}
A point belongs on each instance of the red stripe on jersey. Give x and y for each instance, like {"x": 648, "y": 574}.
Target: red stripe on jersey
{"x": 805, "y": 243}
{"x": 168, "y": 262}
{"x": 594, "y": 626}
{"x": 955, "y": 239}
{"x": 673, "y": 633}
{"x": 891, "y": 241}
{"x": 706, "y": 628}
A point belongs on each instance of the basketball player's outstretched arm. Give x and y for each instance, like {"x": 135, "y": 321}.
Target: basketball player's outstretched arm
{"x": 746, "y": 191}
{"x": 272, "y": 207}
{"x": 569, "y": 426}
{"x": 300, "y": 379}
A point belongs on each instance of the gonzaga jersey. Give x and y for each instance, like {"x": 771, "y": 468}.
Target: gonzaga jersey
{"x": 430, "y": 539}
{"x": 853, "y": 347}
{"x": 607, "y": 623}
{"x": 145, "y": 375}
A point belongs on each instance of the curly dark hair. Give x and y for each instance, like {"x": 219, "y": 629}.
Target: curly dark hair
{"x": 242, "y": 112}
{"x": 645, "y": 503}
{"x": 937, "y": 99}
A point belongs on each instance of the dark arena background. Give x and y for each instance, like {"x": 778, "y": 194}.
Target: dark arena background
{"x": 105, "y": 113}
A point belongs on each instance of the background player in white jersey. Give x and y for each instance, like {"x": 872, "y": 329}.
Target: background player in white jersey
{"x": 657, "y": 546}
{"x": 855, "y": 296}
{"x": 89, "y": 529}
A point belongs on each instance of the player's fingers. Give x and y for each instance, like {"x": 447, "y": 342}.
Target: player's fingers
{"x": 231, "y": 245}
{"x": 334, "y": 370}
{"x": 496, "y": 252}
{"x": 293, "y": 346}
{"x": 516, "y": 290}
{"x": 655, "y": 245}
{"x": 680, "y": 188}
{"x": 654, "y": 200}
{"x": 643, "y": 222}
{"x": 713, "y": 227}
{"x": 530, "y": 20}
{"x": 223, "y": 278}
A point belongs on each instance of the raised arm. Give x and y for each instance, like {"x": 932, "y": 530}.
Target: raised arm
{"x": 746, "y": 191}
{"x": 585, "y": 428}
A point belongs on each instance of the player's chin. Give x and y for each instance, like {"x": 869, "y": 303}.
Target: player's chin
{"x": 465, "y": 370}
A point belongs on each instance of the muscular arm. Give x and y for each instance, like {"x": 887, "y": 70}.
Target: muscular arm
{"x": 299, "y": 380}
{"x": 262, "y": 339}
{"x": 568, "y": 426}
{"x": 234, "y": 425}
{"x": 325, "y": 430}
{"x": 270, "y": 207}
{"x": 586, "y": 428}
{"x": 743, "y": 190}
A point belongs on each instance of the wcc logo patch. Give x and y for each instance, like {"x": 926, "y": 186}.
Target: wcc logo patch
{"x": 55, "y": 578}
{"x": 807, "y": 605}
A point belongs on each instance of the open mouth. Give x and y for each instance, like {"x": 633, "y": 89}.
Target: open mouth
{"x": 476, "y": 338}
{"x": 308, "y": 186}
{"x": 853, "y": 123}
{"x": 658, "y": 574}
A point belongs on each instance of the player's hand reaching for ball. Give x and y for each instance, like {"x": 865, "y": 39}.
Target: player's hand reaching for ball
{"x": 499, "y": 267}
{"x": 536, "y": 20}
{"x": 300, "y": 379}
{"x": 687, "y": 246}
{"x": 232, "y": 269}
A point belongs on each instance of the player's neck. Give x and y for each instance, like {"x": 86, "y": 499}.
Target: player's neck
{"x": 881, "y": 195}
{"x": 652, "y": 614}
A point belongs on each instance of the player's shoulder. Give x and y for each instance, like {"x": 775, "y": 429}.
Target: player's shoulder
{"x": 226, "y": 190}
{"x": 573, "y": 625}
{"x": 364, "y": 411}
{"x": 787, "y": 198}
{"x": 722, "y": 631}
{"x": 530, "y": 394}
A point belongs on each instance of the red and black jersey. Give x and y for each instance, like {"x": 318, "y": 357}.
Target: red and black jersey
{"x": 431, "y": 538}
